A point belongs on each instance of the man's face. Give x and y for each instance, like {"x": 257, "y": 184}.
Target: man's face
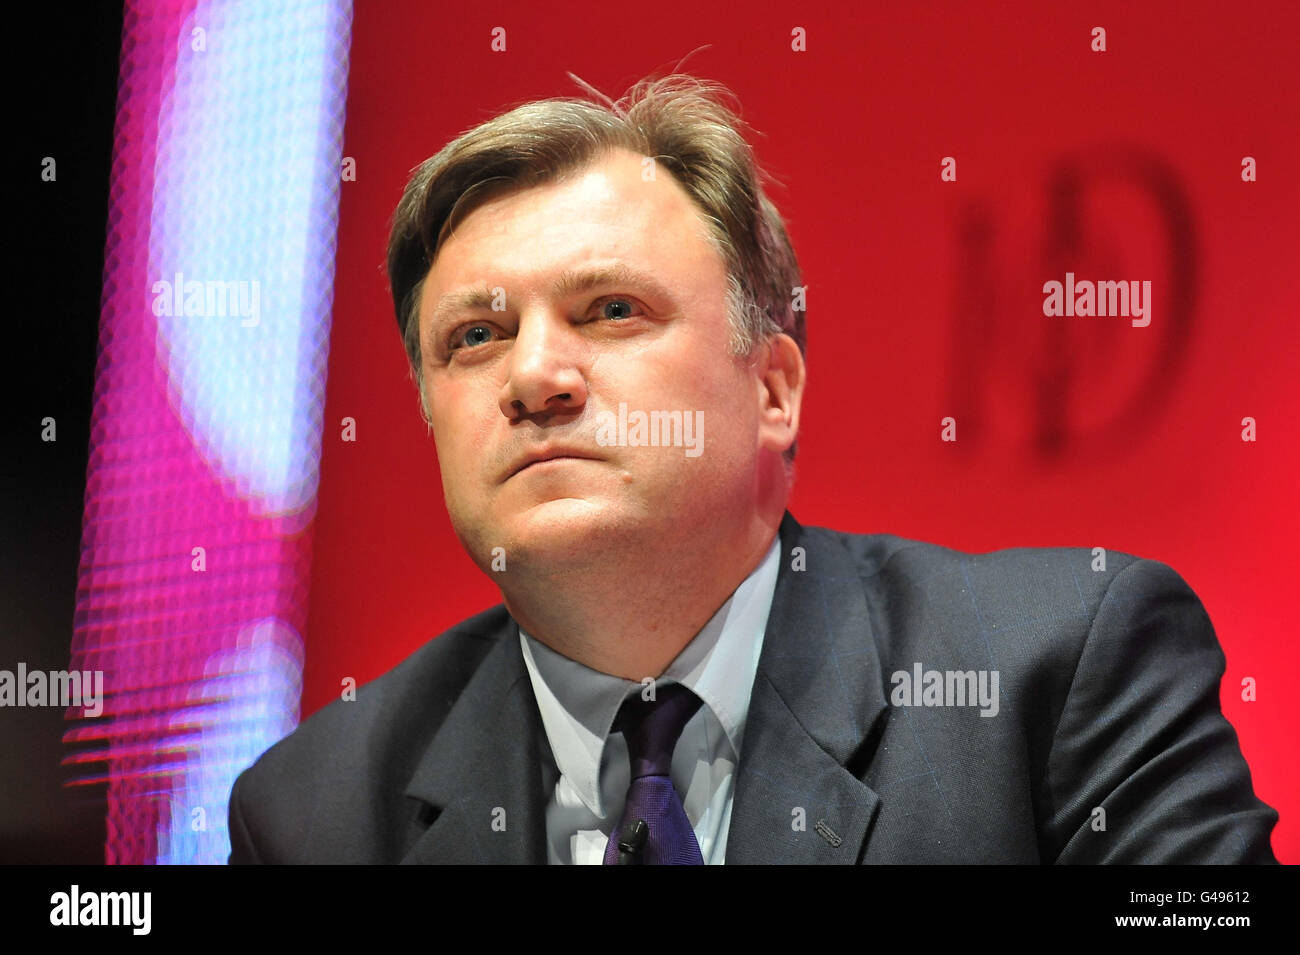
{"x": 534, "y": 375}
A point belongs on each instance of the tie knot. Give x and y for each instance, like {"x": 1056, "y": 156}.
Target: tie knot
{"x": 652, "y": 727}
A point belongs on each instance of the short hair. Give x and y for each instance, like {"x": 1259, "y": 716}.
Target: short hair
{"x": 681, "y": 121}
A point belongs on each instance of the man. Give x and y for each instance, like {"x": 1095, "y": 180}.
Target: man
{"x": 602, "y": 313}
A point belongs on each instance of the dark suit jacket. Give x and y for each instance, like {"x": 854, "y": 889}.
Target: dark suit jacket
{"x": 1109, "y": 698}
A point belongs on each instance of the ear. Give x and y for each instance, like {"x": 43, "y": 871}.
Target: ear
{"x": 781, "y": 378}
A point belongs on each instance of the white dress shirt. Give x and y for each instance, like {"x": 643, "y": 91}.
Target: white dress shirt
{"x": 588, "y": 764}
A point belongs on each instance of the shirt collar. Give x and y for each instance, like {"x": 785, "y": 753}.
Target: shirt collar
{"x": 578, "y": 704}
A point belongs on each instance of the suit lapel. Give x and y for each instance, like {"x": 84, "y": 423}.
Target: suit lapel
{"x": 481, "y": 774}
{"x": 816, "y": 707}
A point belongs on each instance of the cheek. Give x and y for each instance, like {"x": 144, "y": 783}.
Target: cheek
{"x": 464, "y": 438}
{"x": 451, "y": 449}
{"x": 458, "y": 455}
{"x": 725, "y": 391}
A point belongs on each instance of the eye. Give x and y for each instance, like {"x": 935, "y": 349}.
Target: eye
{"x": 615, "y": 308}
{"x": 470, "y": 336}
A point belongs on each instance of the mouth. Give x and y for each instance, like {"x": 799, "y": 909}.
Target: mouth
{"x": 547, "y": 457}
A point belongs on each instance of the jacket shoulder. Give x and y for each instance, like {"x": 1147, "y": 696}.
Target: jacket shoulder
{"x": 1106, "y": 703}
{"x": 1027, "y": 612}
{"x": 335, "y": 783}
{"x": 877, "y": 553}
{"x": 1005, "y": 582}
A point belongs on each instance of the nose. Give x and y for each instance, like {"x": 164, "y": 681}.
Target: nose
{"x": 543, "y": 373}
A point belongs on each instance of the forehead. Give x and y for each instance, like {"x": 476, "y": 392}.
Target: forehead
{"x": 620, "y": 207}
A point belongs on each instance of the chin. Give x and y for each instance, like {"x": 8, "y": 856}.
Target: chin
{"x": 561, "y": 531}
{"x": 564, "y": 518}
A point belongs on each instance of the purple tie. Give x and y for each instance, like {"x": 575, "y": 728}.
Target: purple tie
{"x": 652, "y": 728}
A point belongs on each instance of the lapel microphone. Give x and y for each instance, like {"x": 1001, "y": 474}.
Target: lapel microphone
{"x": 632, "y": 842}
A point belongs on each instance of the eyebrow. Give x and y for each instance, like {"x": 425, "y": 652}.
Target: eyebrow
{"x": 568, "y": 283}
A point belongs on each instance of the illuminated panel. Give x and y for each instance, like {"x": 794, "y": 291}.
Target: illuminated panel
{"x": 205, "y": 435}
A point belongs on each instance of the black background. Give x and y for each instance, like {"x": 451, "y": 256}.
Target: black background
{"x": 62, "y": 64}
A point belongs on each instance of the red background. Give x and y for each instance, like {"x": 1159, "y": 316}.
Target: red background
{"x": 924, "y": 296}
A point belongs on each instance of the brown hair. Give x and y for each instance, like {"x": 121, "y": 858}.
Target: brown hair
{"x": 678, "y": 119}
